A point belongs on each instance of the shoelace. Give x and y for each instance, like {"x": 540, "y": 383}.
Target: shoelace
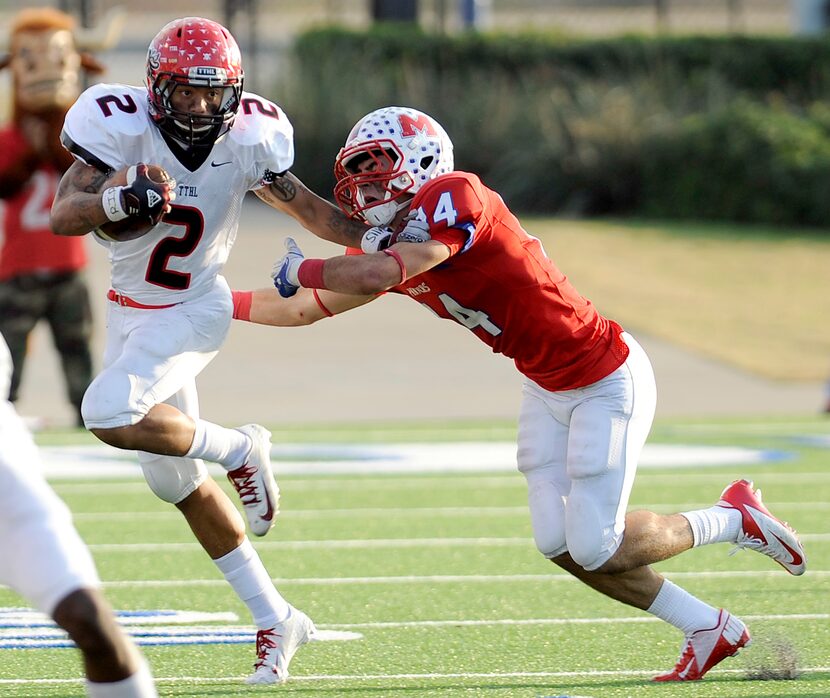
{"x": 264, "y": 641}
{"x": 747, "y": 541}
{"x": 244, "y": 484}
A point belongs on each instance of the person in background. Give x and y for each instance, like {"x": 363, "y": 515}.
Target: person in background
{"x": 43, "y": 559}
{"x": 442, "y": 238}
{"x": 42, "y": 274}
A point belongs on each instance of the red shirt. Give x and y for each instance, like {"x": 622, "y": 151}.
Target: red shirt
{"x": 29, "y": 245}
{"x": 500, "y": 284}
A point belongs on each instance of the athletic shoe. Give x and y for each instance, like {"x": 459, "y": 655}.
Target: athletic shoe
{"x": 255, "y": 484}
{"x": 275, "y": 647}
{"x": 762, "y": 531}
{"x": 703, "y": 649}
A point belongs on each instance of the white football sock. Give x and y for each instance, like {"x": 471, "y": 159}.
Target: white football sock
{"x": 247, "y": 575}
{"x": 714, "y": 525}
{"x": 139, "y": 685}
{"x": 682, "y": 610}
{"x": 228, "y": 447}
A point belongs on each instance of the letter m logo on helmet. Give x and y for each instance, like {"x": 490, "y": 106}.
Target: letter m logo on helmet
{"x": 412, "y": 126}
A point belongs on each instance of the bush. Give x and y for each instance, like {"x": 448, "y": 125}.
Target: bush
{"x": 674, "y": 126}
{"x": 747, "y": 162}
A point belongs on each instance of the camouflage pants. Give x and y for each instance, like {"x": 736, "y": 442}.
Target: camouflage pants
{"x": 63, "y": 301}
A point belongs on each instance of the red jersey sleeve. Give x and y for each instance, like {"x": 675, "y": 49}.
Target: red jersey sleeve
{"x": 452, "y": 206}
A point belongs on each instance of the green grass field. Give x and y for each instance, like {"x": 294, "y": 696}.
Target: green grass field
{"x": 440, "y": 576}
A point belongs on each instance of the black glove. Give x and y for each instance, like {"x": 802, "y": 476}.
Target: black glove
{"x": 144, "y": 198}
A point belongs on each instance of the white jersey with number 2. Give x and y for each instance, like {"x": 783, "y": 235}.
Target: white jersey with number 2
{"x": 109, "y": 127}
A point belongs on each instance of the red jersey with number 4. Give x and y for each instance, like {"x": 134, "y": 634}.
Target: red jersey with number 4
{"x": 500, "y": 284}
{"x": 29, "y": 245}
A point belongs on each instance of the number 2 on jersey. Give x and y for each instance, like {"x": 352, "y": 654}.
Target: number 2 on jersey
{"x": 157, "y": 271}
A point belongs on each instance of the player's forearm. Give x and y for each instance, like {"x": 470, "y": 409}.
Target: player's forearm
{"x": 289, "y": 195}
{"x": 265, "y": 306}
{"x": 77, "y": 214}
{"x": 363, "y": 275}
{"x": 78, "y": 207}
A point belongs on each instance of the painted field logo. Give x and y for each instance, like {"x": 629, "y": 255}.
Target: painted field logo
{"x": 25, "y": 628}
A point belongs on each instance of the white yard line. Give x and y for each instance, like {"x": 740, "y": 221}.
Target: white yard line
{"x": 383, "y": 481}
{"x": 351, "y": 543}
{"x": 399, "y": 512}
{"x": 174, "y": 680}
{"x": 551, "y": 621}
{"x": 445, "y": 579}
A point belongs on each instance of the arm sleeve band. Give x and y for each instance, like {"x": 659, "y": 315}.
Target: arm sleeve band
{"x": 394, "y": 255}
{"x": 242, "y": 304}
{"x": 310, "y": 273}
{"x": 322, "y": 305}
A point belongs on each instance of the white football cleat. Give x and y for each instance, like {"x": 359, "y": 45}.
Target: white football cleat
{"x": 703, "y": 649}
{"x": 255, "y": 484}
{"x": 275, "y": 648}
{"x": 760, "y": 530}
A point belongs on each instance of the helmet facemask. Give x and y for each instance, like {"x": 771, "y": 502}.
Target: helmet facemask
{"x": 194, "y": 129}
{"x": 371, "y": 182}
{"x": 389, "y": 155}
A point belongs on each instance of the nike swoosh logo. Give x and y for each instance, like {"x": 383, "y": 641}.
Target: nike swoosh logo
{"x": 269, "y": 513}
{"x": 796, "y": 558}
{"x": 219, "y": 164}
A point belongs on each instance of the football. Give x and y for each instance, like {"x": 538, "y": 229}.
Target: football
{"x": 130, "y": 228}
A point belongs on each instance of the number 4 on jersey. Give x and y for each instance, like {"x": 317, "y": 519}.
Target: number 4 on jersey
{"x": 469, "y": 318}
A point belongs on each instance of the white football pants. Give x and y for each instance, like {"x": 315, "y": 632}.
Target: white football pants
{"x": 153, "y": 356}
{"x": 578, "y": 450}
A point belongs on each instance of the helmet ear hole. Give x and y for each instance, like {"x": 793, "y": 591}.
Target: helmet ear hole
{"x": 426, "y": 161}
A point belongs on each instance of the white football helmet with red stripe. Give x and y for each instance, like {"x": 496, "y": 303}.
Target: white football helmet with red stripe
{"x": 398, "y": 150}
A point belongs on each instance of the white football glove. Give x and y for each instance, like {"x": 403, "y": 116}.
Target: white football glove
{"x": 376, "y": 239}
{"x": 415, "y": 230}
{"x": 285, "y": 272}
{"x": 380, "y": 237}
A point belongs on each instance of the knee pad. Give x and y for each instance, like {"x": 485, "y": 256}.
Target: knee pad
{"x": 584, "y": 533}
{"x": 107, "y": 402}
{"x": 172, "y": 478}
{"x": 547, "y": 516}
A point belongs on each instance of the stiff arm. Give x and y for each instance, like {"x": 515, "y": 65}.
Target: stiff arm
{"x": 288, "y": 194}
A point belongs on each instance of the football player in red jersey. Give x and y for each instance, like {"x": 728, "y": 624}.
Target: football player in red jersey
{"x": 589, "y": 392}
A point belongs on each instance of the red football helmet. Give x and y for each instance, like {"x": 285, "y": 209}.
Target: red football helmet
{"x": 399, "y": 149}
{"x": 199, "y": 53}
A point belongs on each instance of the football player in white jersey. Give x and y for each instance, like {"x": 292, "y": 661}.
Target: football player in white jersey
{"x": 171, "y": 308}
{"x": 43, "y": 558}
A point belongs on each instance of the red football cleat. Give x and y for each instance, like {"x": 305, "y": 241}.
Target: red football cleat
{"x": 704, "y": 649}
{"x": 761, "y": 531}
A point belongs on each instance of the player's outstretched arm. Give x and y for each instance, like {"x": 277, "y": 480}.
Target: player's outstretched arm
{"x": 265, "y": 306}
{"x": 360, "y": 275}
{"x": 288, "y": 194}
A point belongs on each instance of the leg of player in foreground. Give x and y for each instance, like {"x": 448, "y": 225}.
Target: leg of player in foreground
{"x": 145, "y": 399}
{"x": 43, "y": 559}
{"x": 578, "y": 451}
